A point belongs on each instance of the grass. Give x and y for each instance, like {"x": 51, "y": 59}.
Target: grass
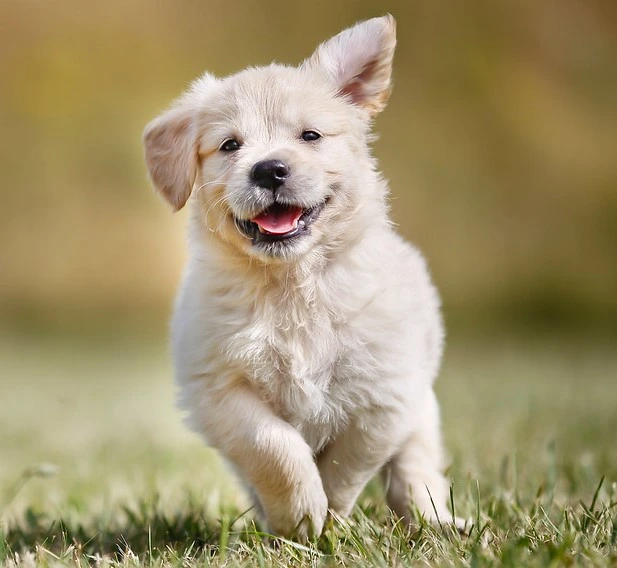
{"x": 97, "y": 469}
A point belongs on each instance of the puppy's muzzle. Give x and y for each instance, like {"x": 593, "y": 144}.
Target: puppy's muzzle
{"x": 270, "y": 174}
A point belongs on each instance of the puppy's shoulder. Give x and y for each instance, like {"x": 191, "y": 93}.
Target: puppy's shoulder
{"x": 396, "y": 257}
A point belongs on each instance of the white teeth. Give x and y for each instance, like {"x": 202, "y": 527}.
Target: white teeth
{"x": 301, "y": 223}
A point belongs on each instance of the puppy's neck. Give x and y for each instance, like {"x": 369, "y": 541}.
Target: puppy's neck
{"x": 223, "y": 256}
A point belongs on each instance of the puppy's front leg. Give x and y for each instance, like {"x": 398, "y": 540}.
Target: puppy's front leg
{"x": 349, "y": 463}
{"x": 273, "y": 457}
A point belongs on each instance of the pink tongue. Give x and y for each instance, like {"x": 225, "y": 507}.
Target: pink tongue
{"x": 278, "y": 221}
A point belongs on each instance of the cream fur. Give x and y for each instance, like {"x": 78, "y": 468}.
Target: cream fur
{"x": 309, "y": 365}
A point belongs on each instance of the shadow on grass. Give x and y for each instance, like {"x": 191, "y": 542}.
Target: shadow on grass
{"x": 137, "y": 532}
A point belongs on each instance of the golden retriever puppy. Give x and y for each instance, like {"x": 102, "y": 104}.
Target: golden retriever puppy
{"x": 307, "y": 334}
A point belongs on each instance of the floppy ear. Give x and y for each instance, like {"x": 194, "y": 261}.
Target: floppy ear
{"x": 171, "y": 144}
{"x": 171, "y": 155}
{"x": 358, "y": 62}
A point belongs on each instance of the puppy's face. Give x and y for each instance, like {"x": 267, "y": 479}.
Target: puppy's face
{"x": 275, "y": 157}
{"x": 279, "y": 156}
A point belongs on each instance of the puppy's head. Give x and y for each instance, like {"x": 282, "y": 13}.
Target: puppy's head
{"x": 276, "y": 158}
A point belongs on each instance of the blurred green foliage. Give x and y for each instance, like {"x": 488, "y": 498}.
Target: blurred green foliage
{"x": 500, "y": 143}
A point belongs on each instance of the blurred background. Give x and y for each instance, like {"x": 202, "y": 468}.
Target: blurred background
{"x": 500, "y": 143}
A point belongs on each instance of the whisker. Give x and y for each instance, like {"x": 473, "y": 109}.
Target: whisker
{"x": 239, "y": 229}
{"x": 212, "y": 205}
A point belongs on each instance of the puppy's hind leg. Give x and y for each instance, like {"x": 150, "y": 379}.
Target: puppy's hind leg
{"x": 414, "y": 474}
{"x": 349, "y": 463}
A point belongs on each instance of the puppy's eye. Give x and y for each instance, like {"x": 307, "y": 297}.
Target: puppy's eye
{"x": 310, "y": 136}
{"x": 230, "y": 145}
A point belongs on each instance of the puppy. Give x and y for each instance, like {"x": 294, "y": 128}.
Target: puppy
{"x": 307, "y": 334}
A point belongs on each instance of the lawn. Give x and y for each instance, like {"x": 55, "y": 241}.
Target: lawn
{"x": 96, "y": 467}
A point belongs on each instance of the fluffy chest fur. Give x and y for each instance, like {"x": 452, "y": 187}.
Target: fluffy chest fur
{"x": 289, "y": 349}
{"x": 295, "y": 348}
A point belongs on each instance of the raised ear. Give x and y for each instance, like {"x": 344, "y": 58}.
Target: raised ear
{"x": 171, "y": 144}
{"x": 358, "y": 62}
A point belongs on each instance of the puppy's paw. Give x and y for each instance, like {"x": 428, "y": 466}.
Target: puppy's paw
{"x": 456, "y": 525}
{"x": 462, "y": 526}
{"x": 449, "y": 524}
{"x": 302, "y": 514}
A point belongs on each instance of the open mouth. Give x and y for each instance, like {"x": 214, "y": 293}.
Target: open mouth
{"x": 280, "y": 222}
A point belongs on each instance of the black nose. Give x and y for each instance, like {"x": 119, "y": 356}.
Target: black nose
{"x": 270, "y": 174}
